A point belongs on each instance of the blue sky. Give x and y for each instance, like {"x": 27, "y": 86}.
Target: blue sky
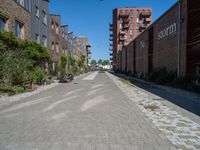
{"x": 91, "y": 18}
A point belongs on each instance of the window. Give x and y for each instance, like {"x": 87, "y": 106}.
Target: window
{"x": 137, "y": 25}
{"x": 131, "y": 32}
{"x": 138, "y": 13}
{"x": 44, "y": 17}
{"x": 44, "y": 40}
{"x": 131, "y": 19}
{"x": 131, "y": 26}
{"x": 131, "y": 37}
{"x": 131, "y": 13}
{"x": 52, "y": 25}
{"x": 2, "y": 23}
{"x": 21, "y": 2}
{"x": 52, "y": 46}
{"x": 37, "y": 37}
{"x": 57, "y": 29}
{"x": 19, "y": 30}
{"x": 137, "y": 20}
{"x": 57, "y": 48}
{"x": 37, "y": 12}
{"x": 137, "y": 32}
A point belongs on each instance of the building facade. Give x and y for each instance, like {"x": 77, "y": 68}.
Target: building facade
{"x": 17, "y": 21}
{"x": 55, "y": 40}
{"x": 39, "y": 26}
{"x": 127, "y": 24}
{"x": 171, "y": 42}
{"x": 83, "y": 47}
{"x": 63, "y": 42}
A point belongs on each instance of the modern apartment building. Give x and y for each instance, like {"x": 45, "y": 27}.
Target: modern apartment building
{"x": 55, "y": 38}
{"x": 83, "y": 47}
{"x": 17, "y": 21}
{"x": 63, "y": 42}
{"x": 127, "y": 24}
{"x": 39, "y": 27}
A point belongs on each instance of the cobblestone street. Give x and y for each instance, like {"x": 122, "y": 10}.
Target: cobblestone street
{"x": 95, "y": 112}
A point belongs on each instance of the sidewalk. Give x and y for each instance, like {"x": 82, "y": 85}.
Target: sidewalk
{"x": 177, "y": 126}
{"x": 5, "y": 100}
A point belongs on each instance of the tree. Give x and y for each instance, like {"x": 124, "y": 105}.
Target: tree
{"x": 105, "y": 62}
{"x": 62, "y": 67}
{"x": 93, "y": 62}
{"x": 100, "y": 61}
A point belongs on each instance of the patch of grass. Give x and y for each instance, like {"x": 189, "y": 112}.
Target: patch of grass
{"x": 126, "y": 81}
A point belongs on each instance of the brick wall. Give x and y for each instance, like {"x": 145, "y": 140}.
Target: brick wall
{"x": 141, "y": 53}
{"x": 12, "y": 11}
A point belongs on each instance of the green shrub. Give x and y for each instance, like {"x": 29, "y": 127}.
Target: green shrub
{"x": 17, "y": 89}
{"x": 162, "y": 76}
{"x": 38, "y": 76}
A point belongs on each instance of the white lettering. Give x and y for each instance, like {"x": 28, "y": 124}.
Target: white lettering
{"x": 167, "y": 31}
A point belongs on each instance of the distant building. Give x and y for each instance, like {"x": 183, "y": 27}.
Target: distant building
{"x": 83, "y": 47}
{"x": 14, "y": 18}
{"x": 127, "y": 24}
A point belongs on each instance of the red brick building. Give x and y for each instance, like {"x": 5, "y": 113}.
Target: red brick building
{"x": 171, "y": 42}
{"x": 127, "y": 24}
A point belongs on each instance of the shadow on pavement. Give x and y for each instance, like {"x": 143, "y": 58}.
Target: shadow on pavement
{"x": 190, "y": 103}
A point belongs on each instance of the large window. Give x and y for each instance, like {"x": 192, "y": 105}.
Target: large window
{"x": 37, "y": 11}
{"x": 57, "y": 48}
{"x": 131, "y": 12}
{"x": 57, "y": 28}
{"x": 2, "y": 23}
{"x": 37, "y": 38}
{"x": 21, "y": 2}
{"x": 19, "y": 30}
{"x": 44, "y": 17}
{"x": 44, "y": 40}
{"x": 52, "y": 46}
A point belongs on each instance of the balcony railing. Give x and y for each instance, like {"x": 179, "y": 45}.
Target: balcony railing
{"x": 126, "y": 26}
{"x": 124, "y": 14}
{"x": 122, "y": 33}
{"x": 110, "y": 39}
{"x": 145, "y": 14}
{"x": 121, "y": 39}
{"x": 147, "y": 20}
{"x": 126, "y": 21}
{"x": 111, "y": 35}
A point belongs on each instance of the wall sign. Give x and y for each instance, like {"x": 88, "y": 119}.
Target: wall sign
{"x": 167, "y": 31}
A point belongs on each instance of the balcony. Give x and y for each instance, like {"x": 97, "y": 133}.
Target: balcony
{"x": 147, "y": 20}
{"x": 122, "y": 33}
{"x": 144, "y": 14}
{"x": 111, "y": 45}
{"x": 110, "y": 39}
{"x": 121, "y": 39}
{"x": 142, "y": 27}
{"x": 126, "y": 21}
{"x": 111, "y": 54}
{"x": 89, "y": 52}
{"x": 111, "y": 35}
{"x": 111, "y": 27}
{"x": 124, "y": 14}
{"x": 126, "y": 26}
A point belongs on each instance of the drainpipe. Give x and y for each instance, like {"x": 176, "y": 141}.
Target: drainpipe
{"x": 179, "y": 37}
